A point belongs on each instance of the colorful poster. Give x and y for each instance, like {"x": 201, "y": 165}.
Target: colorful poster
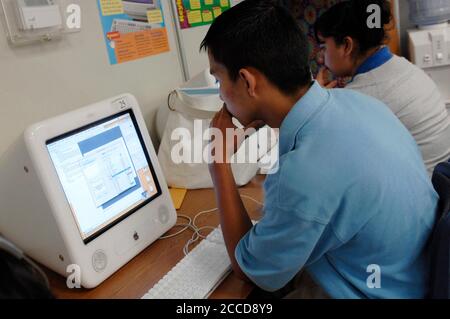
{"x": 194, "y": 13}
{"x": 133, "y": 29}
{"x": 306, "y": 13}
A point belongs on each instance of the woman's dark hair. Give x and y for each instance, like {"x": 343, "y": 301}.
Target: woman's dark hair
{"x": 264, "y": 35}
{"x": 350, "y": 19}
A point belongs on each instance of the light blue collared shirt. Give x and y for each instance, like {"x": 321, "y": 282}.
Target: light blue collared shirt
{"x": 351, "y": 192}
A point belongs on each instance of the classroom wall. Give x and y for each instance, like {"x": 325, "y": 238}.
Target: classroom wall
{"x": 42, "y": 80}
{"x": 190, "y": 40}
{"x": 404, "y": 25}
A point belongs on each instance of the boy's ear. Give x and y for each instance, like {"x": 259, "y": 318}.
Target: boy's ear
{"x": 349, "y": 46}
{"x": 249, "y": 78}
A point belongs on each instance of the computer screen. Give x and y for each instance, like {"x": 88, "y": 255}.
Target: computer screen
{"x": 105, "y": 172}
{"x": 141, "y": 1}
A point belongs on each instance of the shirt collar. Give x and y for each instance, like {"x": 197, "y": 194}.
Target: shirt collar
{"x": 308, "y": 105}
{"x": 375, "y": 60}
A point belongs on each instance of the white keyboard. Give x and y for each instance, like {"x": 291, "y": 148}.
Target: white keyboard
{"x": 127, "y": 26}
{"x": 197, "y": 274}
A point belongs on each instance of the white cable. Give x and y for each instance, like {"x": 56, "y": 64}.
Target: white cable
{"x": 186, "y": 226}
{"x": 193, "y": 239}
{"x": 202, "y": 213}
{"x": 252, "y": 199}
{"x": 192, "y": 224}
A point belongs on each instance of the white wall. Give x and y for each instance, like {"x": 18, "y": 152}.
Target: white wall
{"x": 41, "y": 80}
{"x": 190, "y": 40}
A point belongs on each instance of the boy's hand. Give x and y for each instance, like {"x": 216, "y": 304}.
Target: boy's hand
{"x": 322, "y": 79}
{"x": 223, "y": 121}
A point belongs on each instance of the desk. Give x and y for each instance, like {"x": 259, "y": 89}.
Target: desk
{"x": 134, "y": 279}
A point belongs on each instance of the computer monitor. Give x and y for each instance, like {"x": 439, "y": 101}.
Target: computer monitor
{"x": 137, "y": 9}
{"x": 102, "y": 196}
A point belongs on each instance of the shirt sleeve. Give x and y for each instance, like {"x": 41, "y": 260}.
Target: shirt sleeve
{"x": 276, "y": 248}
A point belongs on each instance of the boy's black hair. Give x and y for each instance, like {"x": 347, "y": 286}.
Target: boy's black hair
{"x": 349, "y": 18}
{"x": 264, "y": 35}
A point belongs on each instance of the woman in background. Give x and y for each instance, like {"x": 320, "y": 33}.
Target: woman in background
{"x": 352, "y": 49}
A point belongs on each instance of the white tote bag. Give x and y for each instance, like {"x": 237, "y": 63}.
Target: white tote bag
{"x": 190, "y": 116}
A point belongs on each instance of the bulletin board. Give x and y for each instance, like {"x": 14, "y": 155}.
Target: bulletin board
{"x": 129, "y": 38}
{"x": 195, "y": 13}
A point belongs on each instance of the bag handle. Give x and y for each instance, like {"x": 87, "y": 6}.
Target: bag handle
{"x": 180, "y": 102}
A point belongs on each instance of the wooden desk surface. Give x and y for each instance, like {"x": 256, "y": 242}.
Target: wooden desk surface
{"x": 134, "y": 279}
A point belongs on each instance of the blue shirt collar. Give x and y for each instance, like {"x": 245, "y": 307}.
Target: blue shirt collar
{"x": 303, "y": 111}
{"x": 375, "y": 60}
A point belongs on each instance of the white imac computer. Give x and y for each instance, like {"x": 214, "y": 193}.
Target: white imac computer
{"x": 86, "y": 190}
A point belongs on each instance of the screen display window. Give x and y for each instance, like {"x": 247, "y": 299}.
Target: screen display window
{"x": 105, "y": 172}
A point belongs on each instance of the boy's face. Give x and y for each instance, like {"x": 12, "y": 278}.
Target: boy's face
{"x": 335, "y": 57}
{"x": 233, "y": 93}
